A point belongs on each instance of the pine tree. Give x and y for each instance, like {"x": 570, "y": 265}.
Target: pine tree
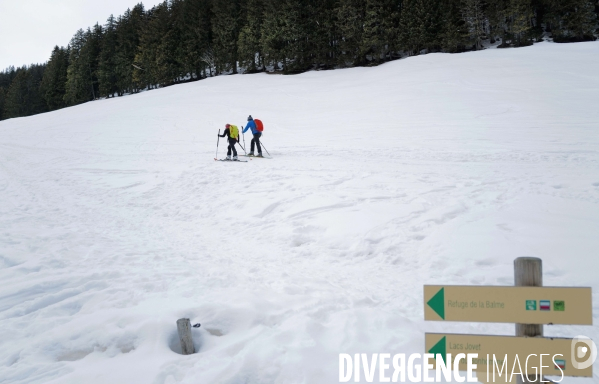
{"x": 379, "y": 29}
{"x": 196, "y": 35}
{"x": 24, "y": 97}
{"x": 572, "y": 20}
{"x": 321, "y": 35}
{"x": 16, "y": 96}
{"x": 78, "y": 88}
{"x": 539, "y": 19}
{"x": 502, "y": 12}
{"x": 128, "y": 32}
{"x": 89, "y": 58}
{"x": 6, "y": 78}
{"x": 145, "y": 72}
{"x": 55, "y": 79}
{"x": 225, "y": 32}
{"x": 430, "y": 25}
{"x": 286, "y": 35}
{"x": 420, "y": 23}
{"x": 36, "y": 102}
{"x": 454, "y": 33}
{"x": 273, "y": 37}
{"x": 2, "y": 102}
{"x": 350, "y": 16}
{"x": 172, "y": 42}
{"x": 519, "y": 18}
{"x": 472, "y": 11}
{"x": 107, "y": 73}
{"x": 160, "y": 44}
{"x": 513, "y": 19}
{"x": 249, "y": 48}
{"x": 296, "y": 25}
{"x": 408, "y": 33}
{"x": 496, "y": 11}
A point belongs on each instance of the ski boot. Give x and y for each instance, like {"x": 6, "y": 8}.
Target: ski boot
{"x": 235, "y": 158}
{"x": 259, "y": 155}
{"x": 251, "y": 153}
{"x": 228, "y": 157}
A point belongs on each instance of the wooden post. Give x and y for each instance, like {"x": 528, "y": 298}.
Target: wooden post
{"x": 184, "y": 329}
{"x": 528, "y": 272}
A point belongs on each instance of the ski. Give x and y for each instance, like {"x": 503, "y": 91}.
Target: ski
{"x": 257, "y": 157}
{"x": 241, "y": 161}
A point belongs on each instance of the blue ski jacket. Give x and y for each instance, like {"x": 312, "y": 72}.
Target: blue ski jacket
{"x": 251, "y": 125}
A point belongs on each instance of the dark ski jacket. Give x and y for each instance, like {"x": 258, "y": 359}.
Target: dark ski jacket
{"x": 227, "y": 133}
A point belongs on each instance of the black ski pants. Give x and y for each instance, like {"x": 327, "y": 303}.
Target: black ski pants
{"x": 232, "y": 143}
{"x": 256, "y": 142}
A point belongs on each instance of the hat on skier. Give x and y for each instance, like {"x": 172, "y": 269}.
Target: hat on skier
{"x": 250, "y": 118}
{"x": 227, "y": 126}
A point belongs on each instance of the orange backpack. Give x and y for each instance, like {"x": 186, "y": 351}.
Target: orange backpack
{"x": 259, "y": 125}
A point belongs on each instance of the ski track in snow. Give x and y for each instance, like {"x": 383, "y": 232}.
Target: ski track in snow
{"x": 440, "y": 169}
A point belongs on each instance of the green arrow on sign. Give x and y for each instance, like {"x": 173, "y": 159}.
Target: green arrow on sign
{"x": 441, "y": 348}
{"x": 437, "y": 303}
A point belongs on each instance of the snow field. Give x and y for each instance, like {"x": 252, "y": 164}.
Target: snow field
{"x": 115, "y": 220}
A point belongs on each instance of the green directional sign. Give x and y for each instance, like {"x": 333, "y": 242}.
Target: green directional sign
{"x": 525, "y": 305}
{"x": 507, "y": 354}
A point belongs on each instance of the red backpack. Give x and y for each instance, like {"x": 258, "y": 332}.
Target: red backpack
{"x": 259, "y": 125}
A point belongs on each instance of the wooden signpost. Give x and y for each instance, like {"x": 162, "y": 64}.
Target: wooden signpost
{"x": 529, "y": 305}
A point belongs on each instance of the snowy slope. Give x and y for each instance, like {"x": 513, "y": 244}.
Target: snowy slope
{"x": 115, "y": 220}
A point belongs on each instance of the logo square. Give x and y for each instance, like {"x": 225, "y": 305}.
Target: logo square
{"x": 531, "y": 305}
{"x": 559, "y": 305}
{"x": 545, "y": 305}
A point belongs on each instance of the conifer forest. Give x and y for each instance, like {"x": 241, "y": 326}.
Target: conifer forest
{"x": 188, "y": 40}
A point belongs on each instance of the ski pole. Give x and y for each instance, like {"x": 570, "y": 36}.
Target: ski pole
{"x": 243, "y": 138}
{"x": 242, "y": 147}
{"x": 217, "y": 140}
{"x": 262, "y": 144}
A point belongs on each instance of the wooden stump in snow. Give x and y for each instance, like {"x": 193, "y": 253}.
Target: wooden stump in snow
{"x": 184, "y": 329}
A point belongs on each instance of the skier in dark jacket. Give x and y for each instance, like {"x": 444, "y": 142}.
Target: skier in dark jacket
{"x": 232, "y": 133}
{"x": 256, "y": 140}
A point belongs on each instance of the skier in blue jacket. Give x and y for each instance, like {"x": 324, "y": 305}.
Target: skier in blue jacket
{"x": 256, "y": 140}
